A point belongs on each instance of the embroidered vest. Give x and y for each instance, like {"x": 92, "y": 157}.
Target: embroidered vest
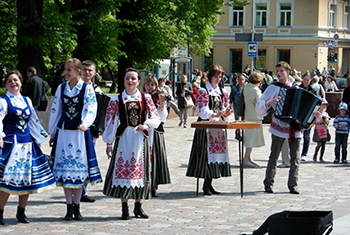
{"x": 71, "y": 108}
{"x": 131, "y": 114}
{"x": 16, "y": 123}
{"x": 215, "y": 103}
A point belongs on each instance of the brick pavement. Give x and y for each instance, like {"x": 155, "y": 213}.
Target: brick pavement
{"x": 177, "y": 210}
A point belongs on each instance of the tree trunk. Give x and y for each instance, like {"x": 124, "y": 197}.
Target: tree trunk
{"x": 29, "y": 15}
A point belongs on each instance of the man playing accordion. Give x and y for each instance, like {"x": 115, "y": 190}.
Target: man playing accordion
{"x": 280, "y": 131}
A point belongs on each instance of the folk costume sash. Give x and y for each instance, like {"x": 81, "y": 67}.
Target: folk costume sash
{"x": 217, "y": 138}
{"x": 129, "y": 168}
{"x": 19, "y": 165}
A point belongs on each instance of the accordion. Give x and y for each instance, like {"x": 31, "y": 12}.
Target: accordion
{"x": 296, "y": 107}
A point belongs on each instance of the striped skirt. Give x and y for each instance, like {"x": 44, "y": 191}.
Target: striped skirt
{"x": 198, "y": 165}
{"x": 124, "y": 192}
{"x": 160, "y": 170}
{"x": 42, "y": 178}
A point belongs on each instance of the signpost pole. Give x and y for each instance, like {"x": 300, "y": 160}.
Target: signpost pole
{"x": 253, "y": 24}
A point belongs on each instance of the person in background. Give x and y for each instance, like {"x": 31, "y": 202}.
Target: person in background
{"x": 72, "y": 113}
{"x": 184, "y": 89}
{"x": 341, "y": 124}
{"x": 306, "y": 133}
{"x": 24, "y": 168}
{"x": 170, "y": 101}
{"x": 89, "y": 71}
{"x": 330, "y": 85}
{"x": 321, "y": 129}
{"x": 253, "y": 137}
{"x": 233, "y": 80}
{"x": 129, "y": 116}
{"x": 58, "y": 79}
{"x": 280, "y": 131}
{"x": 34, "y": 88}
{"x": 346, "y": 92}
{"x": 212, "y": 103}
{"x": 318, "y": 88}
{"x": 235, "y": 96}
{"x": 195, "y": 88}
{"x": 160, "y": 170}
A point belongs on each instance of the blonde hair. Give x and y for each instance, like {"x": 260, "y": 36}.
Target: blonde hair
{"x": 147, "y": 79}
{"x": 75, "y": 63}
{"x": 255, "y": 78}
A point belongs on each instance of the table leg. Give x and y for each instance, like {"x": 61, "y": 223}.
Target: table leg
{"x": 241, "y": 153}
{"x": 197, "y": 186}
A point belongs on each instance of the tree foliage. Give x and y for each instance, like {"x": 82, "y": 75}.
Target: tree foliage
{"x": 114, "y": 33}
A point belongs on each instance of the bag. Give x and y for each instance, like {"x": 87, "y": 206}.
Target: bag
{"x": 316, "y": 138}
{"x": 241, "y": 106}
{"x": 44, "y": 100}
{"x": 297, "y": 222}
{"x": 188, "y": 102}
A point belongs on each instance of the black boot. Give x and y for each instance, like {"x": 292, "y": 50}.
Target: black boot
{"x": 2, "y": 221}
{"x": 21, "y": 217}
{"x": 125, "y": 211}
{"x": 76, "y": 212}
{"x": 139, "y": 212}
{"x": 69, "y": 215}
{"x": 211, "y": 189}
{"x": 206, "y": 188}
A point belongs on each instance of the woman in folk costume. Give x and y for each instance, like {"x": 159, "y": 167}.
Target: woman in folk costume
{"x": 209, "y": 154}
{"x": 160, "y": 171}
{"x": 129, "y": 116}
{"x": 24, "y": 169}
{"x": 73, "y": 111}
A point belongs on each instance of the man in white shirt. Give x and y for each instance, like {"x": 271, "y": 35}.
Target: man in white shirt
{"x": 280, "y": 131}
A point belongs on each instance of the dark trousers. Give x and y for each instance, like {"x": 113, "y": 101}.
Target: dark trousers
{"x": 306, "y": 142}
{"x": 276, "y": 147}
{"x": 341, "y": 140}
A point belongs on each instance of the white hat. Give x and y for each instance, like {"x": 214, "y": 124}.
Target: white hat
{"x": 343, "y": 105}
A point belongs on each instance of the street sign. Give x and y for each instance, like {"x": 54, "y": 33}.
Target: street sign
{"x": 246, "y": 37}
{"x": 336, "y": 36}
{"x": 330, "y": 43}
{"x": 252, "y": 49}
{"x": 335, "y": 43}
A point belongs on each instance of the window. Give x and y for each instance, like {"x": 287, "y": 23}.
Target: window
{"x": 283, "y": 55}
{"x": 208, "y": 61}
{"x": 260, "y": 60}
{"x": 285, "y": 15}
{"x": 238, "y": 16}
{"x": 261, "y": 13}
{"x": 346, "y": 17}
{"x": 236, "y": 60}
{"x": 332, "y": 15}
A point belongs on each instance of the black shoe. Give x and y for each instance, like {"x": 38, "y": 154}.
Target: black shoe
{"x": 154, "y": 193}
{"x": 268, "y": 189}
{"x": 2, "y": 221}
{"x": 86, "y": 198}
{"x": 21, "y": 217}
{"x": 336, "y": 160}
{"x": 213, "y": 191}
{"x": 125, "y": 211}
{"x": 294, "y": 190}
{"x": 76, "y": 212}
{"x": 344, "y": 161}
{"x": 138, "y": 212}
{"x": 206, "y": 187}
{"x": 69, "y": 214}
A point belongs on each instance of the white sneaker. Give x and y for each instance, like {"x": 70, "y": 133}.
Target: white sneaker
{"x": 304, "y": 158}
{"x": 283, "y": 165}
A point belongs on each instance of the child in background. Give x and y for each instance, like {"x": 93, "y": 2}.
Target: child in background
{"x": 321, "y": 129}
{"x": 341, "y": 124}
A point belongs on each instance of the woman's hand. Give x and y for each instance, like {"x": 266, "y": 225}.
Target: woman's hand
{"x": 273, "y": 101}
{"x": 141, "y": 127}
{"x": 227, "y": 112}
{"x": 161, "y": 99}
{"x": 109, "y": 152}
{"x": 51, "y": 142}
{"x": 185, "y": 89}
{"x": 1, "y": 143}
{"x": 81, "y": 127}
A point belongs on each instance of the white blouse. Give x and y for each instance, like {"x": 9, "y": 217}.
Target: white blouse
{"x": 19, "y": 102}
{"x": 88, "y": 114}
{"x": 112, "y": 115}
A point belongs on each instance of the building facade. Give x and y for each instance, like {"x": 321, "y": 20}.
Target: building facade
{"x": 301, "y": 32}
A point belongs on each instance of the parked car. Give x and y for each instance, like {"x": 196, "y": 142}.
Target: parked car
{"x": 341, "y": 83}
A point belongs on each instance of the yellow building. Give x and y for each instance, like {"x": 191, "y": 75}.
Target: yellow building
{"x": 296, "y": 31}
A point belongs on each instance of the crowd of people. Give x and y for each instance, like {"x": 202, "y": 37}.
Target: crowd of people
{"x": 134, "y": 132}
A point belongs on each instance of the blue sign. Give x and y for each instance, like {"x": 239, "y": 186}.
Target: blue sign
{"x": 330, "y": 43}
{"x": 252, "y": 49}
{"x": 336, "y": 36}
